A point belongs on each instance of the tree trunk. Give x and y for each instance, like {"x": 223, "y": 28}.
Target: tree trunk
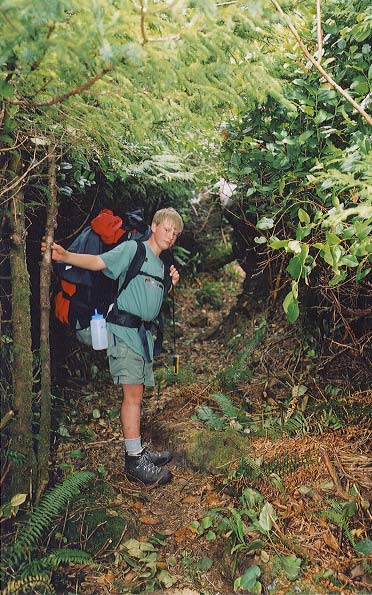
{"x": 21, "y": 427}
{"x": 45, "y": 274}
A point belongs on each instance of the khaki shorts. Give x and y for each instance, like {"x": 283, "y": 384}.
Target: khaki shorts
{"x": 126, "y": 366}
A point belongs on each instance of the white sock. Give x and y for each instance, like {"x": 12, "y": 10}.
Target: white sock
{"x": 133, "y": 446}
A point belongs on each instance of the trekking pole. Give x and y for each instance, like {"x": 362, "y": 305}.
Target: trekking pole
{"x": 176, "y": 358}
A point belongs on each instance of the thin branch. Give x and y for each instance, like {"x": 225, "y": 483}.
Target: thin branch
{"x": 304, "y": 49}
{"x": 61, "y": 98}
{"x": 146, "y": 39}
{"x": 319, "y": 30}
{"x": 163, "y": 39}
{"x": 22, "y": 177}
{"x": 2, "y": 115}
{"x": 143, "y": 17}
{"x": 10, "y": 23}
{"x": 13, "y": 148}
{"x": 6, "y": 419}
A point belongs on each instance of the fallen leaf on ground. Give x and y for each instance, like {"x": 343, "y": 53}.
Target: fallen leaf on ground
{"x": 331, "y": 541}
{"x": 189, "y": 500}
{"x": 137, "y": 505}
{"x": 357, "y": 571}
{"x": 148, "y": 520}
{"x": 109, "y": 577}
{"x": 183, "y": 533}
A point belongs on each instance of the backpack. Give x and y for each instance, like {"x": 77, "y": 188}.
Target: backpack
{"x": 84, "y": 291}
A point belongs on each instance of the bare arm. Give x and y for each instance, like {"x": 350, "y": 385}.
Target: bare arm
{"x": 90, "y": 262}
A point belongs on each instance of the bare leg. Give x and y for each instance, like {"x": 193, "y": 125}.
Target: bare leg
{"x": 140, "y": 467}
{"x": 131, "y": 410}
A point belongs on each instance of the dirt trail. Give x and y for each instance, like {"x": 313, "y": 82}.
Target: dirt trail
{"x": 168, "y": 512}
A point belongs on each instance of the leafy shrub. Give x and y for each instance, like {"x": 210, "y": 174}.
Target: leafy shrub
{"x": 302, "y": 166}
{"x": 32, "y": 571}
{"x": 209, "y": 295}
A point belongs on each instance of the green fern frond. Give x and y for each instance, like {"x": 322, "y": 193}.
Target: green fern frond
{"x": 287, "y": 463}
{"x": 54, "y": 559}
{"x": 339, "y": 514}
{"x": 251, "y": 469}
{"x": 297, "y": 425}
{"x": 226, "y": 405}
{"x": 50, "y": 507}
{"x": 31, "y": 585}
{"x": 334, "y": 516}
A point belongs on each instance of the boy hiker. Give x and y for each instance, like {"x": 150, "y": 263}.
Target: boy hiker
{"x": 130, "y": 347}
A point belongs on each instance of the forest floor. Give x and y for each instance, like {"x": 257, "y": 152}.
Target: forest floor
{"x": 310, "y": 486}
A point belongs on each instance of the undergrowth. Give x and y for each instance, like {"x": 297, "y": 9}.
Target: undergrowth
{"x": 21, "y": 558}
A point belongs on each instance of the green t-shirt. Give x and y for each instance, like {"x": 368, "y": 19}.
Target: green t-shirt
{"x": 143, "y": 296}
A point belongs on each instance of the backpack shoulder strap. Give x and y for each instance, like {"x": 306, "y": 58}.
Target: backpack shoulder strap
{"x": 167, "y": 258}
{"x": 135, "y": 266}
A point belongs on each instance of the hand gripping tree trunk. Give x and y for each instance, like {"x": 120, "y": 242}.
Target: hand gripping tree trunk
{"x": 21, "y": 427}
{"x": 45, "y": 397}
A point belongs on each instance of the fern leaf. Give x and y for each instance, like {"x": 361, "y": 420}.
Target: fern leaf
{"x": 29, "y": 585}
{"x": 54, "y": 559}
{"x": 50, "y": 507}
{"x": 210, "y": 417}
{"x": 226, "y": 405}
{"x": 251, "y": 469}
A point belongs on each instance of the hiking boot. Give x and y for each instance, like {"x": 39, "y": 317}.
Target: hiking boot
{"x": 158, "y": 458}
{"x": 141, "y": 468}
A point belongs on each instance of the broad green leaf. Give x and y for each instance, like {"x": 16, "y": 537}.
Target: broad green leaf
{"x": 256, "y": 544}
{"x": 252, "y": 497}
{"x": 265, "y": 223}
{"x": 210, "y": 417}
{"x": 211, "y": 536}
{"x": 364, "y": 546}
{"x": 361, "y": 274}
{"x": 166, "y": 579}
{"x": 287, "y": 300}
{"x": 248, "y": 580}
{"x": 276, "y": 244}
{"x": 18, "y": 499}
{"x": 338, "y": 278}
{"x": 266, "y": 517}
{"x": 303, "y": 231}
{"x": 305, "y": 136}
{"x": 6, "y": 90}
{"x": 205, "y": 564}
{"x": 322, "y": 116}
{"x": 77, "y": 454}
{"x": 349, "y": 260}
{"x": 290, "y": 307}
{"x": 360, "y": 86}
{"x": 291, "y": 566}
{"x": 206, "y": 522}
{"x": 293, "y": 311}
{"x": 332, "y": 239}
{"x": 303, "y": 216}
{"x": 195, "y": 524}
{"x": 294, "y": 267}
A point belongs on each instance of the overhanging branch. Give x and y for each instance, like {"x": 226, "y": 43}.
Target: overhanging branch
{"x": 320, "y": 68}
{"x": 61, "y": 98}
{"x": 319, "y": 30}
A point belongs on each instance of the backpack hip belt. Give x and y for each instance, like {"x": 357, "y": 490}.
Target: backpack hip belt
{"x": 124, "y": 318}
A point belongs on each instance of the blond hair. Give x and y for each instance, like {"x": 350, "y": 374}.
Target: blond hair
{"x": 170, "y": 215}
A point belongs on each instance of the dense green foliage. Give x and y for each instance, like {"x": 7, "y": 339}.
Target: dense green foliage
{"x": 304, "y": 167}
{"x": 123, "y": 84}
{"x": 18, "y": 560}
